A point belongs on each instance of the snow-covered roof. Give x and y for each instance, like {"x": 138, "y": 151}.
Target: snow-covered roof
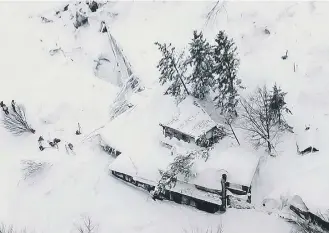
{"x": 179, "y": 146}
{"x": 190, "y": 190}
{"x": 146, "y": 169}
{"x": 117, "y": 132}
{"x": 143, "y": 165}
{"x": 239, "y": 163}
{"x": 137, "y": 128}
{"x": 209, "y": 178}
{"x": 191, "y": 119}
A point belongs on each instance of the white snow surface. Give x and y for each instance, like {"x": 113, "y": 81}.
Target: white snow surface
{"x": 58, "y": 93}
{"x": 239, "y": 163}
{"x": 306, "y": 138}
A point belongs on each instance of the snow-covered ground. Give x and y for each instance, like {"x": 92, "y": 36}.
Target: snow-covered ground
{"x": 58, "y": 93}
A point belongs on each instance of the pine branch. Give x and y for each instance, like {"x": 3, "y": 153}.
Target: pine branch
{"x": 16, "y": 122}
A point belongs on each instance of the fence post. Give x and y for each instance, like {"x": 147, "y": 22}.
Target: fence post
{"x": 223, "y": 183}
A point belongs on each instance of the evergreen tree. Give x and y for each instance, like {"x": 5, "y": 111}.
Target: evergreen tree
{"x": 201, "y": 60}
{"x": 172, "y": 68}
{"x": 225, "y": 70}
{"x": 278, "y": 104}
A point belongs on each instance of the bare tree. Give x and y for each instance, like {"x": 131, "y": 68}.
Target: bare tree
{"x": 31, "y": 168}
{"x": 228, "y": 121}
{"x": 10, "y": 229}
{"x": 15, "y": 121}
{"x": 258, "y": 120}
{"x": 6, "y": 229}
{"x": 87, "y": 226}
{"x": 217, "y": 8}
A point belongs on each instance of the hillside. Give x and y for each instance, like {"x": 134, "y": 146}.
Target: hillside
{"x": 50, "y": 69}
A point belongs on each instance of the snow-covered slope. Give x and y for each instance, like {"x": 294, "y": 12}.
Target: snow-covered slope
{"x": 58, "y": 93}
{"x": 294, "y": 26}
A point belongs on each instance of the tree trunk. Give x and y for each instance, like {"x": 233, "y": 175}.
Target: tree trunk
{"x": 269, "y": 146}
{"x": 309, "y": 216}
{"x": 236, "y": 138}
{"x": 180, "y": 76}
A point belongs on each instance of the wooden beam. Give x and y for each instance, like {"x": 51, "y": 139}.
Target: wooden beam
{"x": 309, "y": 216}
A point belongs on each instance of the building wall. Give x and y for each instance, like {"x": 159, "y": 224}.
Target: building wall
{"x": 171, "y": 195}
{"x": 169, "y": 132}
{"x": 210, "y": 136}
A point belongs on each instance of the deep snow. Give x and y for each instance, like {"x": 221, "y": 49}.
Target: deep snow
{"x": 59, "y": 93}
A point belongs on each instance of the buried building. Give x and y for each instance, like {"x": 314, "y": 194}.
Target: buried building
{"x": 135, "y": 133}
{"x": 205, "y": 189}
{"x": 192, "y": 124}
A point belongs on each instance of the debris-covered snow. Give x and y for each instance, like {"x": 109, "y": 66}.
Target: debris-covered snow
{"x": 49, "y": 66}
{"x": 306, "y": 179}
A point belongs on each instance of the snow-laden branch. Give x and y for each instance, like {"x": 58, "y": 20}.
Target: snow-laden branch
{"x": 15, "y": 120}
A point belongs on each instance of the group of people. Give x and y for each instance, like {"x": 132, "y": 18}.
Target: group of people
{"x": 54, "y": 144}
{"x": 5, "y": 108}
{"x": 55, "y": 141}
{"x": 41, "y": 141}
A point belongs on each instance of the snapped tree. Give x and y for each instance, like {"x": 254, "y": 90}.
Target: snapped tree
{"x": 182, "y": 164}
{"x": 172, "y": 68}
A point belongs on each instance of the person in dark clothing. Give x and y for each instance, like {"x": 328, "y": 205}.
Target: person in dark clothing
{"x": 5, "y": 109}
{"x": 13, "y": 105}
{"x": 57, "y": 140}
{"x": 40, "y": 140}
{"x": 54, "y": 143}
{"x": 70, "y": 146}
